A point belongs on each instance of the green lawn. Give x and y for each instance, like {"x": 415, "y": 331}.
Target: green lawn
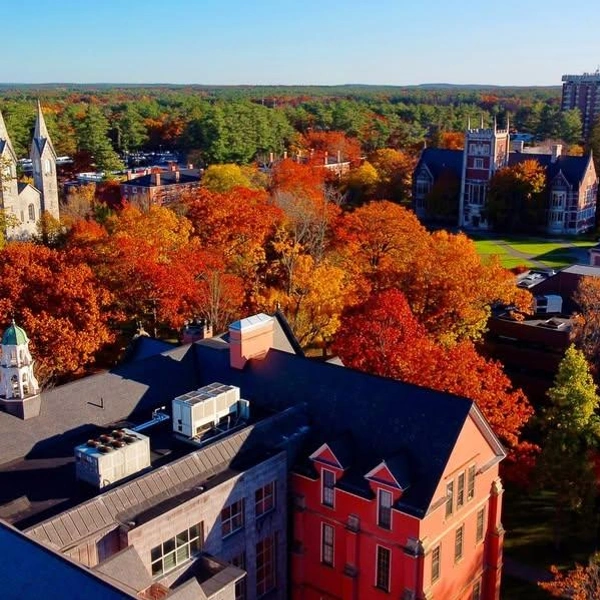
{"x": 516, "y": 251}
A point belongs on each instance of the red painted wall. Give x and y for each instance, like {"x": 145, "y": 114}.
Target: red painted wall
{"x": 355, "y": 552}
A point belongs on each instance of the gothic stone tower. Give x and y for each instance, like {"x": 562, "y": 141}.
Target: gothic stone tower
{"x": 9, "y": 189}
{"x": 43, "y": 157}
{"x": 486, "y": 151}
{"x": 19, "y": 389}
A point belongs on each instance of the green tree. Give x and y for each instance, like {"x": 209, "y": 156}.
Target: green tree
{"x": 132, "y": 131}
{"x": 93, "y": 138}
{"x": 571, "y": 428}
{"x": 570, "y": 126}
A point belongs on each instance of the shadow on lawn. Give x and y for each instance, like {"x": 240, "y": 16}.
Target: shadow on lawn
{"x": 563, "y": 257}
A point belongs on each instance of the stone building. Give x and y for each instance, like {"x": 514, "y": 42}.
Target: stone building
{"x": 22, "y": 202}
{"x": 582, "y": 92}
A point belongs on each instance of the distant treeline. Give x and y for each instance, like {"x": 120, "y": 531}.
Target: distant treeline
{"x": 245, "y": 123}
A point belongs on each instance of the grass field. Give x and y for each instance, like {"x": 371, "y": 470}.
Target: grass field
{"x": 532, "y": 252}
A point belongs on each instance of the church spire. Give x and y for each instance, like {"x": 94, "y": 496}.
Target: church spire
{"x": 40, "y": 134}
{"x": 5, "y": 138}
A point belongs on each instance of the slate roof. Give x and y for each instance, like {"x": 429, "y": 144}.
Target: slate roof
{"x": 439, "y": 160}
{"x": 166, "y": 178}
{"x": 30, "y": 571}
{"x": 126, "y": 568}
{"x": 384, "y": 417}
{"x": 70, "y": 410}
{"x": 572, "y": 167}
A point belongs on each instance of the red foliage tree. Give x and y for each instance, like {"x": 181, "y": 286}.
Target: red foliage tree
{"x": 382, "y": 336}
{"x": 59, "y": 302}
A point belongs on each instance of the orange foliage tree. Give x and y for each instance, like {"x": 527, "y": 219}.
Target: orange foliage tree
{"x": 332, "y": 143}
{"x": 581, "y": 583}
{"x": 59, "y": 302}
{"x": 382, "y": 336}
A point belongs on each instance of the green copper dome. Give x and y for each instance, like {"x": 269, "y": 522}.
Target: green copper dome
{"x": 14, "y": 336}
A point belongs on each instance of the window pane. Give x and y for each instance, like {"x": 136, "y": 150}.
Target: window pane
{"x": 435, "y": 564}
{"x": 383, "y": 568}
{"x": 471, "y": 483}
{"x": 169, "y": 545}
{"x": 183, "y": 554}
{"x": 460, "y": 496}
{"x": 449, "y": 498}
{"x": 458, "y": 543}
{"x": 169, "y": 561}
{"x": 157, "y": 568}
{"x": 182, "y": 538}
{"x": 155, "y": 553}
{"x": 385, "y": 509}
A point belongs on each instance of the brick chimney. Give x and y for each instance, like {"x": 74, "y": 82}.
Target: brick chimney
{"x": 556, "y": 152}
{"x": 155, "y": 178}
{"x": 250, "y": 338}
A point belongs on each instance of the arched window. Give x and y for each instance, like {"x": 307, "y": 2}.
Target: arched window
{"x": 31, "y": 212}
{"x": 24, "y": 378}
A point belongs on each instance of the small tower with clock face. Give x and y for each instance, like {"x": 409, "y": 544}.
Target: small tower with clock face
{"x": 486, "y": 150}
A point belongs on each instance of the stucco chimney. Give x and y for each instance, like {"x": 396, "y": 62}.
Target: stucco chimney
{"x": 250, "y": 338}
{"x": 556, "y": 152}
{"x": 155, "y": 178}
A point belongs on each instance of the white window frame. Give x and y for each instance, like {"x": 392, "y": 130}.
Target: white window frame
{"x": 324, "y": 544}
{"x": 186, "y": 544}
{"x": 380, "y": 507}
{"x": 230, "y": 522}
{"x": 460, "y": 490}
{"x": 478, "y": 163}
{"x": 480, "y": 531}
{"x": 471, "y": 482}
{"x": 387, "y": 588}
{"x": 449, "y": 499}
{"x": 327, "y": 489}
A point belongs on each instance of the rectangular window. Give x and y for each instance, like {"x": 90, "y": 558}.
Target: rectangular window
{"x": 458, "y": 543}
{"x": 177, "y": 550}
{"x": 460, "y": 492}
{"x": 471, "y": 483}
{"x": 480, "y": 525}
{"x": 435, "y": 564}
{"x": 264, "y": 499}
{"x": 327, "y": 491}
{"x": 240, "y": 587}
{"x": 232, "y": 518}
{"x": 265, "y": 566}
{"x": 383, "y": 568}
{"x": 384, "y": 509}
{"x": 479, "y": 163}
{"x": 476, "y": 591}
{"x": 327, "y": 538}
{"x": 449, "y": 498}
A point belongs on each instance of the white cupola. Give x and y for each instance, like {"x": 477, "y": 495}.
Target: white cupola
{"x": 19, "y": 389}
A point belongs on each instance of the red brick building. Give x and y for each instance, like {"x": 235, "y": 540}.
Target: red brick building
{"x": 582, "y": 92}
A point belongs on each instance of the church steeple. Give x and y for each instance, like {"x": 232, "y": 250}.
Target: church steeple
{"x": 43, "y": 156}
{"x": 5, "y": 139}
{"x": 40, "y": 133}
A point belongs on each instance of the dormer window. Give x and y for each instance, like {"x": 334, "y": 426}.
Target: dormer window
{"x": 384, "y": 509}
{"x": 327, "y": 488}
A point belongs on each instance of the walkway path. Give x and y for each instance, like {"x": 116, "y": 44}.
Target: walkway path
{"x": 522, "y": 255}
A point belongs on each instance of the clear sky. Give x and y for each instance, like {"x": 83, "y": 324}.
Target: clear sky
{"x": 397, "y": 42}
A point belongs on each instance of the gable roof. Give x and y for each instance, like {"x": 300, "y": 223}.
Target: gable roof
{"x": 573, "y": 168}
{"x": 438, "y": 160}
{"x": 384, "y": 417}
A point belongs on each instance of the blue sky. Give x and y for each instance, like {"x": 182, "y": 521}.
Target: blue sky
{"x": 399, "y": 42}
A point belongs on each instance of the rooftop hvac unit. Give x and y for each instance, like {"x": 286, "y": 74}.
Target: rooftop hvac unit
{"x": 111, "y": 457}
{"x": 196, "y": 412}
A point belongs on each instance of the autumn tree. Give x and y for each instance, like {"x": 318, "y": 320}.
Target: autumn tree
{"x": 515, "y": 198}
{"x": 394, "y": 173}
{"x": 379, "y": 240}
{"x": 452, "y": 140}
{"x": 334, "y": 144}
{"x": 571, "y": 433}
{"x": 581, "y": 583}
{"x": 382, "y": 336}
{"x": 59, "y": 302}
{"x": 79, "y": 204}
{"x": 586, "y": 329}
{"x": 223, "y": 178}
{"x": 451, "y": 289}
{"x": 314, "y": 303}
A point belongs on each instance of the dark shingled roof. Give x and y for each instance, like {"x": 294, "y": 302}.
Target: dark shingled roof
{"x": 385, "y": 417}
{"x": 29, "y": 571}
{"x": 166, "y": 178}
{"x": 572, "y": 167}
{"x": 439, "y": 160}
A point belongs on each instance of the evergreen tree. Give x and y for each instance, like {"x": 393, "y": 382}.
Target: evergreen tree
{"x": 572, "y": 431}
{"x": 93, "y": 138}
{"x": 132, "y": 131}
